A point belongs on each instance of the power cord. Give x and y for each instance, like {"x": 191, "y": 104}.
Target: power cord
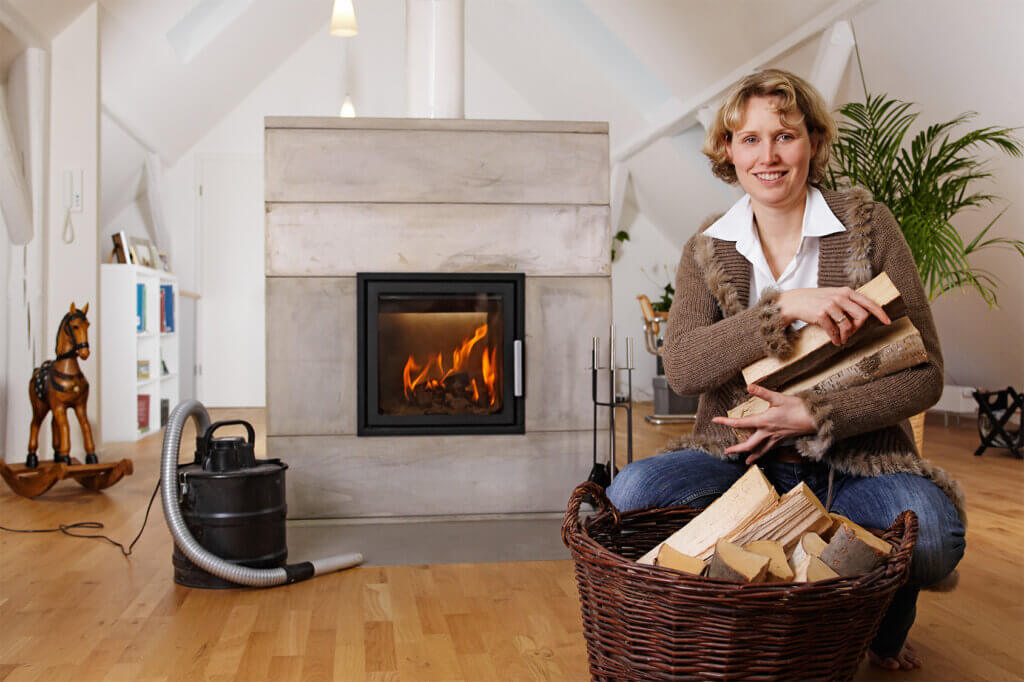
{"x": 68, "y": 527}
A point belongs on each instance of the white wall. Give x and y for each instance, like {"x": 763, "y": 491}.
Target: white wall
{"x": 72, "y": 269}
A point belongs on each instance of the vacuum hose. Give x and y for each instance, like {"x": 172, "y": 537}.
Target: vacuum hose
{"x": 241, "y": 575}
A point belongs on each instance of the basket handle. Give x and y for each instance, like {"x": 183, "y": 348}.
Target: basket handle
{"x": 571, "y": 522}
{"x": 908, "y": 520}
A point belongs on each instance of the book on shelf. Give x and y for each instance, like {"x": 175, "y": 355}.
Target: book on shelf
{"x": 143, "y": 411}
{"x": 142, "y": 369}
{"x": 164, "y": 371}
{"x": 166, "y": 308}
{"x": 165, "y": 410}
{"x": 140, "y": 308}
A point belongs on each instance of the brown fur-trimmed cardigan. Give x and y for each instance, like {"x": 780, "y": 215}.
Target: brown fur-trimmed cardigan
{"x": 712, "y": 335}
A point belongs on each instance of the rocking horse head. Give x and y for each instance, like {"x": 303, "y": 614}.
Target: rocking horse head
{"x": 73, "y": 334}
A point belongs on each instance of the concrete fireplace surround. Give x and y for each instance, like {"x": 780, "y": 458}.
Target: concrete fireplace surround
{"x": 411, "y": 195}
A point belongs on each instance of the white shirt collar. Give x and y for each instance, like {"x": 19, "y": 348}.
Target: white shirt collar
{"x": 737, "y": 225}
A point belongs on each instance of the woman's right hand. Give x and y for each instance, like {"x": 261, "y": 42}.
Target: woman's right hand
{"x": 840, "y": 311}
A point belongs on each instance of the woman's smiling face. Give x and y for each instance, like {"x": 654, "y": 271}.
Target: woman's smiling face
{"x": 771, "y": 156}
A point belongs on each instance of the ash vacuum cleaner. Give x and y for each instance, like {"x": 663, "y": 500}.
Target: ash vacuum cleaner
{"x": 226, "y": 510}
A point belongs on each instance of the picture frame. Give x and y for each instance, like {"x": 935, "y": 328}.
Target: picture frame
{"x": 145, "y": 252}
{"x": 121, "y": 253}
{"x": 165, "y": 262}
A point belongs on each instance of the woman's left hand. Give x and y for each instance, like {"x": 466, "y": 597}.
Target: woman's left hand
{"x": 787, "y": 417}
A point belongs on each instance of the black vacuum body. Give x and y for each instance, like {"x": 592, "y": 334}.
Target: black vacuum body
{"x": 234, "y": 506}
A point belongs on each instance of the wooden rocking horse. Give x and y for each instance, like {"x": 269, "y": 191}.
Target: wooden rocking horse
{"x": 57, "y": 385}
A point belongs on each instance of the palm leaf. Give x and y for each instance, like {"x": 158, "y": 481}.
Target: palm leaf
{"x": 925, "y": 182}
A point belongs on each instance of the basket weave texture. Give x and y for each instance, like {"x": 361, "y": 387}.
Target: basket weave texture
{"x": 644, "y": 622}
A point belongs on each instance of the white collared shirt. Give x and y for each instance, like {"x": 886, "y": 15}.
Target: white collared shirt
{"x": 737, "y": 225}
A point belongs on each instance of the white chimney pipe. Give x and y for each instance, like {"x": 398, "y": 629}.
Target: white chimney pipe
{"x": 435, "y": 58}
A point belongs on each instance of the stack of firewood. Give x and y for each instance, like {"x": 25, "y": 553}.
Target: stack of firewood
{"x": 816, "y": 365}
{"x": 753, "y": 535}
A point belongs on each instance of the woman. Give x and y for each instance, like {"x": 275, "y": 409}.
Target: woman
{"x": 785, "y": 255}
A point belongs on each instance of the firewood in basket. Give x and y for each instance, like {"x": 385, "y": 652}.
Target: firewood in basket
{"x": 732, "y": 562}
{"x": 747, "y": 499}
{"x": 799, "y": 511}
{"x": 779, "y": 570}
{"x": 849, "y": 554}
{"x": 810, "y": 544}
{"x": 813, "y": 346}
{"x": 670, "y": 558}
{"x": 812, "y": 569}
{"x": 864, "y": 534}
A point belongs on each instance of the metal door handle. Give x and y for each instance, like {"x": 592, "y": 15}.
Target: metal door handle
{"x": 517, "y": 369}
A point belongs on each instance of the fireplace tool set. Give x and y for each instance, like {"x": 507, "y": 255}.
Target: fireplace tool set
{"x": 604, "y": 474}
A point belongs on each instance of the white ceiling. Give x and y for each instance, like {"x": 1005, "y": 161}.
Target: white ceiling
{"x": 47, "y": 17}
{"x": 681, "y": 40}
{"x": 170, "y": 104}
{"x": 647, "y": 51}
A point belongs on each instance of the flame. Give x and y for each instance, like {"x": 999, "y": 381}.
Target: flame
{"x": 490, "y": 373}
{"x": 460, "y": 358}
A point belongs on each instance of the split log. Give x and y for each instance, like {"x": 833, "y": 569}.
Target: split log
{"x": 810, "y": 544}
{"x": 837, "y": 522}
{"x": 779, "y": 570}
{"x": 812, "y": 569}
{"x": 798, "y": 512}
{"x": 747, "y": 499}
{"x": 670, "y": 558}
{"x": 848, "y": 553}
{"x": 813, "y": 346}
{"x": 731, "y": 562}
{"x": 879, "y": 353}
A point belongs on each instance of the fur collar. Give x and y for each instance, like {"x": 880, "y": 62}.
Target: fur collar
{"x": 728, "y": 275}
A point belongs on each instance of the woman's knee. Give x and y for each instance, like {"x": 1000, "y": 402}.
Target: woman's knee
{"x": 940, "y": 547}
{"x": 631, "y": 486}
{"x": 670, "y": 479}
{"x": 877, "y": 501}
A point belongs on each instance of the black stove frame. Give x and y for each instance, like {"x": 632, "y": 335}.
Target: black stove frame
{"x": 510, "y": 287}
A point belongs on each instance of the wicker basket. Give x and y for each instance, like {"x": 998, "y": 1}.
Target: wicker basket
{"x": 648, "y": 623}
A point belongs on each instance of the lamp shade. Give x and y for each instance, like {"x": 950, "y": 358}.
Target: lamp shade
{"x": 343, "y": 19}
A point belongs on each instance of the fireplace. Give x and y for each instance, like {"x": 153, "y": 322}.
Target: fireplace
{"x": 440, "y": 354}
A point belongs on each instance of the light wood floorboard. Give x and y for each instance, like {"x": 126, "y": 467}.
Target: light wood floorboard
{"x": 76, "y": 610}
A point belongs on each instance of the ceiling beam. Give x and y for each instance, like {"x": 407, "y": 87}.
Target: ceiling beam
{"x": 683, "y": 115}
{"x": 141, "y": 138}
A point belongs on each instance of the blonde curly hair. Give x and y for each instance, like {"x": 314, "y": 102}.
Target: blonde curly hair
{"x": 796, "y": 100}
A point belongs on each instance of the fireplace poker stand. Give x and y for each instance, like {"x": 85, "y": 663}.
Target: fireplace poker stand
{"x": 604, "y": 474}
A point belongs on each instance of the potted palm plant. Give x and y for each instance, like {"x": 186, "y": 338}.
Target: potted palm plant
{"x": 925, "y": 183}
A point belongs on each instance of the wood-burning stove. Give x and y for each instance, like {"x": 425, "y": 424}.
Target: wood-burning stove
{"x": 440, "y": 353}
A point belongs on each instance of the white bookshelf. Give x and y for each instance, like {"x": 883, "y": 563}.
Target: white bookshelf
{"x": 122, "y": 346}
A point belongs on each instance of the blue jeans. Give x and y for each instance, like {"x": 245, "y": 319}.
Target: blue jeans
{"x": 695, "y": 478}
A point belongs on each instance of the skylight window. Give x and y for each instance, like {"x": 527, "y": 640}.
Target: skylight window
{"x": 202, "y": 24}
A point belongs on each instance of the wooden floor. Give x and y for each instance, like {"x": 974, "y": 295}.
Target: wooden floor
{"x": 76, "y": 610}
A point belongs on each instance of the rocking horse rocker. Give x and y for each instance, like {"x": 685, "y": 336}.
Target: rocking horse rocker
{"x": 57, "y": 385}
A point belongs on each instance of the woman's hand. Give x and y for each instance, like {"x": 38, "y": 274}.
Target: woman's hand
{"x": 840, "y": 311}
{"x": 787, "y": 417}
